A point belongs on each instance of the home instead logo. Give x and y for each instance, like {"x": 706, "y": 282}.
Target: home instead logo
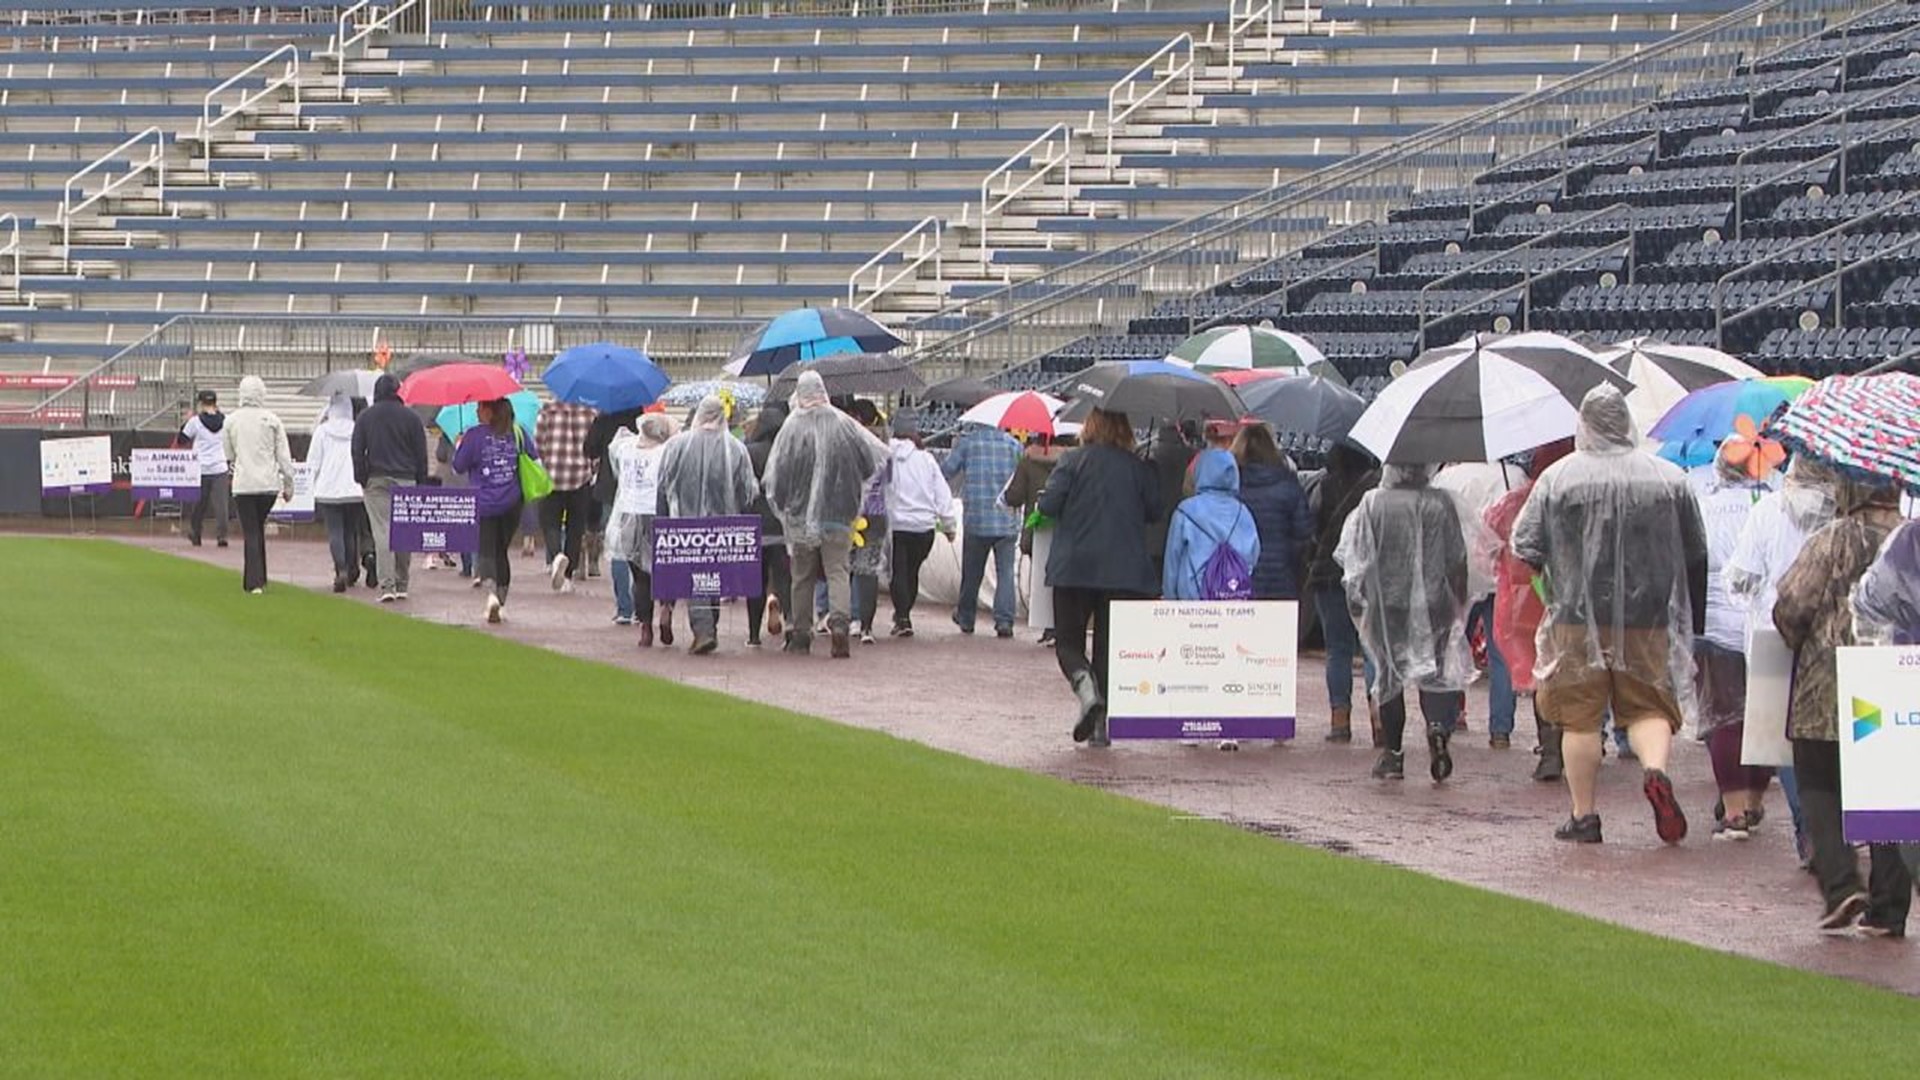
{"x": 1866, "y": 719}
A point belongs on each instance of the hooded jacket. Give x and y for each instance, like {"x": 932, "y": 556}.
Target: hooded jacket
{"x": 203, "y": 430}
{"x": 766, "y": 428}
{"x": 1886, "y": 605}
{"x": 1279, "y": 505}
{"x": 256, "y": 444}
{"x": 918, "y": 499}
{"x": 1212, "y": 516}
{"x": 330, "y": 455}
{"x": 1169, "y": 452}
{"x": 389, "y": 439}
{"x": 818, "y": 469}
{"x": 1349, "y": 475}
{"x": 704, "y": 470}
{"x": 1404, "y": 561}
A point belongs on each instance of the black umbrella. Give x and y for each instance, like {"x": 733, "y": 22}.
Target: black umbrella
{"x": 858, "y": 373}
{"x": 1150, "y": 390}
{"x": 421, "y": 361}
{"x": 1304, "y": 405}
{"x": 966, "y": 393}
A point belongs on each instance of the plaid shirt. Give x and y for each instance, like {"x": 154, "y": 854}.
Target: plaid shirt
{"x": 988, "y": 457}
{"x": 561, "y": 433}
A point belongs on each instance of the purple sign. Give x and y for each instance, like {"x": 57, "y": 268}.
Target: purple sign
{"x": 1881, "y": 826}
{"x": 435, "y": 519}
{"x": 706, "y": 558}
{"x": 1223, "y": 727}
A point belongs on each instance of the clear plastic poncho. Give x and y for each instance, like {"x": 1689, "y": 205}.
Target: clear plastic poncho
{"x": 818, "y": 469}
{"x": 1403, "y": 561}
{"x": 1775, "y": 531}
{"x": 705, "y": 471}
{"x": 635, "y": 458}
{"x": 1618, "y": 537}
{"x": 1886, "y": 603}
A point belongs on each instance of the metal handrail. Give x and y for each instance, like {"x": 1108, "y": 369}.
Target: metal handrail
{"x": 1240, "y": 21}
{"x": 1525, "y": 286}
{"x": 1287, "y": 288}
{"x": 1560, "y": 177}
{"x": 155, "y": 162}
{"x": 289, "y": 77}
{"x": 1840, "y": 114}
{"x": 12, "y": 246}
{"x": 1720, "y": 284}
{"x": 342, "y": 41}
{"x": 1063, "y": 161}
{"x": 920, "y": 256}
{"x": 1836, "y": 275}
{"x": 1116, "y": 113}
{"x": 1481, "y": 264}
{"x": 1795, "y": 168}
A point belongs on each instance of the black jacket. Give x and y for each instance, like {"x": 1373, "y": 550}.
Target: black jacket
{"x": 1169, "y": 453}
{"x": 765, "y": 427}
{"x": 1279, "y": 506}
{"x": 606, "y": 479}
{"x": 1102, "y": 500}
{"x": 388, "y": 438}
{"x": 1349, "y": 475}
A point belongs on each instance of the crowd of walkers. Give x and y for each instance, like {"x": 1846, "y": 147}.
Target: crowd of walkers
{"x": 1622, "y": 592}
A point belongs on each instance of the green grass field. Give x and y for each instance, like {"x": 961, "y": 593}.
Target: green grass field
{"x": 294, "y": 836}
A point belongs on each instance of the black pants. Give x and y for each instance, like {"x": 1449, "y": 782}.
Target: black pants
{"x": 1075, "y": 613}
{"x": 642, "y": 592}
{"x": 776, "y": 579}
{"x": 253, "y": 534}
{"x": 214, "y": 492}
{"x": 910, "y": 551}
{"x": 565, "y": 517}
{"x": 343, "y": 537}
{"x": 1437, "y": 708}
{"x": 496, "y": 536}
{"x": 1816, "y": 765}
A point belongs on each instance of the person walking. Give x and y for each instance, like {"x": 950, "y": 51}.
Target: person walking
{"x": 1518, "y": 609}
{"x": 1403, "y": 559}
{"x": 441, "y": 471}
{"x": 1271, "y": 490}
{"x": 1476, "y": 486}
{"x": 919, "y": 502}
{"x": 1169, "y": 451}
{"x": 256, "y": 447}
{"x": 985, "y": 459}
{"x": 567, "y": 514}
{"x": 202, "y": 429}
{"x": 1103, "y": 499}
{"x": 776, "y": 569}
{"x": 1349, "y": 475}
{"x": 1213, "y": 543}
{"x": 336, "y": 494}
{"x": 605, "y": 488}
{"x": 869, "y": 558}
{"x": 705, "y": 472}
{"x": 1036, "y": 538}
{"x": 1618, "y": 535}
{"x": 634, "y": 457}
{"x": 1814, "y": 615}
{"x": 816, "y": 480}
{"x": 1727, "y": 493}
{"x": 389, "y": 450}
{"x": 488, "y": 455}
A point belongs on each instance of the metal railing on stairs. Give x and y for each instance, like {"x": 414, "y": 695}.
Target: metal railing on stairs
{"x": 1722, "y": 320}
{"x": 350, "y": 33}
{"x": 1523, "y": 288}
{"x": 1147, "y": 83}
{"x": 1100, "y": 293}
{"x": 928, "y": 238}
{"x": 74, "y": 199}
{"x": 1049, "y": 153}
{"x": 214, "y": 113}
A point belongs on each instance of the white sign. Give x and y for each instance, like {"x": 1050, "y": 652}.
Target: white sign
{"x": 1879, "y": 718}
{"x": 300, "y": 507}
{"x": 1202, "y": 669}
{"x": 82, "y": 466}
{"x": 165, "y": 474}
{"x": 1763, "y": 738}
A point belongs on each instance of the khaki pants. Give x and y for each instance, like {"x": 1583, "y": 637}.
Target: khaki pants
{"x": 394, "y": 567}
{"x": 829, "y": 558}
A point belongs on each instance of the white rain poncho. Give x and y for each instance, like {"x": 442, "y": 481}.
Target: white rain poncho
{"x": 1727, "y": 497}
{"x": 1403, "y": 561}
{"x": 635, "y": 458}
{"x": 818, "y": 469}
{"x": 1775, "y": 531}
{"x": 1618, "y": 536}
{"x": 1476, "y": 486}
{"x": 705, "y": 471}
{"x": 1886, "y": 603}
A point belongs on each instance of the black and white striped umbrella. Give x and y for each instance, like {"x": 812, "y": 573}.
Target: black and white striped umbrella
{"x": 1662, "y": 374}
{"x": 1483, "y": 398}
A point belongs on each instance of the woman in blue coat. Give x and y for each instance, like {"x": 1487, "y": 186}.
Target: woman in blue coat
{"x": 1271, "y": 490}
{"x": 1213, "y": 516}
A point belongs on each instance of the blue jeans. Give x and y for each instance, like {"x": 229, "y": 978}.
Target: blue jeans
{"x": 1500, "y": 700}
{"x": 973, "y": 569}
{"x": 1343, "y": 640}
{"x": 622, "y": 575}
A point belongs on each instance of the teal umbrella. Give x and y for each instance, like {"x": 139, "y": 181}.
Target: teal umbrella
{"x": 456, "y": 419}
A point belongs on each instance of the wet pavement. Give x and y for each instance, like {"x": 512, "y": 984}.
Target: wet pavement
{"x": 1004, "y": 702}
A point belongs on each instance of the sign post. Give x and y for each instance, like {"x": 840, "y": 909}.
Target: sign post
{"x": 706, "y": 558}
{"x": 165, "y": 474}
{"x": 1879, "y": 743}
{"x": 435, "y": 520}
{"x": 1202, "y": 669}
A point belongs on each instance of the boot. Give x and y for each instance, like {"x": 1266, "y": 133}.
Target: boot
{"x": 837, "y": 634}
{"x": 1092, "y": 709}
{"x": 593, "y": 542}
{"x": 1373, "y": 721}
{"x": 1551, "y": 765}
{"x": 1342, "y": 731}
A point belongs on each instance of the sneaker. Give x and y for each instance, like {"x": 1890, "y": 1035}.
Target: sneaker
{"x": 798, "y": 646}
{"x": 1668, "y": 819}
{"x": 774, "y": 625}
{"x": 389, "y": 596}
{"x": 257, "y": 592}
{"x": 965, "y": 627}
{"x": 753, "y": 641}
{"x": 1580, "y": 830}
{"x": 866, "y": 637}
{"x": 476, "y": 583}
{"x": 339, "y": 583}
{"x": 1046, "y": 639}
{"x": 493, "y": 607}
{"x": 1841, "y": 916}
{"x": 623, "y": 620}
{"x": 901, "y": 629}
{"x": 400, "y": 594}
{"x": 1229, "y": 744}
{"x": 1440, "y": 760}
{"x": 557, "y": 571}
{"x": 703, "y": 646}
{"x": 566, "y": 586}
{"x": 1739, "y": 828}
{"x": 1391, "y": 766}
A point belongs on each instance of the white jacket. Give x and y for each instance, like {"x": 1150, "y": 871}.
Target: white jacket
{"x": 330, "y": 458}
{"x": 256, "y": 443}
{"x": 918, "y": 499}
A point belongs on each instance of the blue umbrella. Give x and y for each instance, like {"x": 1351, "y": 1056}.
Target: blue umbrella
{"x": 611, "y": 378}
{"x": 455, "y": 419}
{"x": 808, "y": 334}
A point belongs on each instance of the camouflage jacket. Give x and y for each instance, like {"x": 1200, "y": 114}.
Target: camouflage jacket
{"x": 1814, "y": 614}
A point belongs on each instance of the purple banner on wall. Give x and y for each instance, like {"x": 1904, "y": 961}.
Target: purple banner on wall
{"x": 434, "y": 519}
{"x": 706, "y": 558}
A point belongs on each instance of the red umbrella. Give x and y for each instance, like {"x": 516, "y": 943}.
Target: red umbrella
{"x": 457, "y": 384}
{"x": 1242, "y": 376}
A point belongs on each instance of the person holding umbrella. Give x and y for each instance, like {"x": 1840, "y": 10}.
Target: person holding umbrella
{"x": 1618, "y": 536}
{"x": 1271, "y": 490}
{"x": 705, "y": 472}
{"x": 489, "y": 456}
{"x": 389, "y": 449}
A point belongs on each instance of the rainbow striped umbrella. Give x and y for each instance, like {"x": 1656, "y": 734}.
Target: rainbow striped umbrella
{"x": 1702, "y": 420}
{"x": 1864, "y": 424}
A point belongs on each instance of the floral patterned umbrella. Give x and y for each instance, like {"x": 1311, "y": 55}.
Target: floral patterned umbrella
{"x": 1865, "y": 424}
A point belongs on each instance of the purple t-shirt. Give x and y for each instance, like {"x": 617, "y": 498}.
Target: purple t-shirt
{"x": 492, "y": 463}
